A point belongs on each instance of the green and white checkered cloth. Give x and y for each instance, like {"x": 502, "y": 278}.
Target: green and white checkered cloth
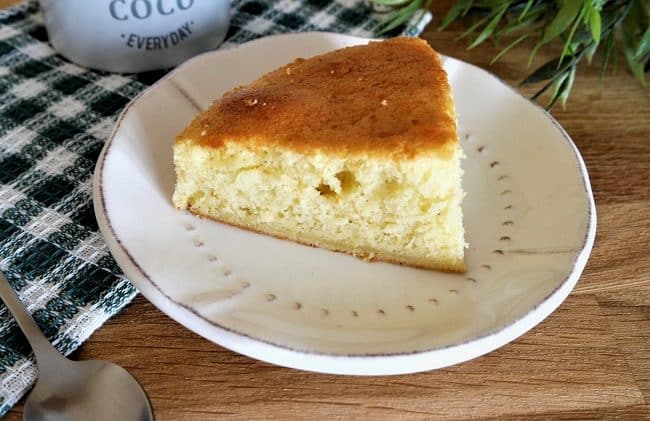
{"x": 54, "y": 118}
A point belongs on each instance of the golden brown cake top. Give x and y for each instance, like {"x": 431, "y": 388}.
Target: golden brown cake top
{"x": 389, "y": 98}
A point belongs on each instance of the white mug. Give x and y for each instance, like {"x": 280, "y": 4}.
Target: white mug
{"x": 134, "y": 35}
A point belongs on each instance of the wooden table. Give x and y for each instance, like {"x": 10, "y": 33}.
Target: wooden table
{"x": 589, "y": 359}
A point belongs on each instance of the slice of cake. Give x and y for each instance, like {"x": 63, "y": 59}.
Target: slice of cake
{"x": 355, "y": 150}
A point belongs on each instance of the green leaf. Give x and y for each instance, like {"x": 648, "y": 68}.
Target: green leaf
{"x": 524, "y": 12}
{"x": 533, "y": 53}
{"x": 559, "y": 83}
{"x": 490, "y": 27}
{"x": 459, "y": 9}
{"x": 546, "y": 71}
{"x": 541, "y": 91}
{"x": 400, "y": 16}
{"x": 636, "y": 66}
{"x": 610, "y": 42}
{"x": 590, "y": 50}
{"x": 644, "y": 45}
{"x": 567, "y": 88}
{"x": 567, "y": 14}
{"x": 594, "y": 24}
{"x": 527, "y": 22}
{"x": 474, "y": 27}
{"x": 567, "y": 50}
{"x": 505, "y": 50}
{"x": 582, "y": 37}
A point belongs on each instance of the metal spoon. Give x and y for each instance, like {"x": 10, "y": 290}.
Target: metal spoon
{"x": 69, "y": 390}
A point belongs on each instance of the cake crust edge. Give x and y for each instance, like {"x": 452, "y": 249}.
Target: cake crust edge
{"x": 262, "y": 109}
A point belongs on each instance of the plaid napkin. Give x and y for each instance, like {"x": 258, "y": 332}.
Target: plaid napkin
{"x": 54, "y": 118}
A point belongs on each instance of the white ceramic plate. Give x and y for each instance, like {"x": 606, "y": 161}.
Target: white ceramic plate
{"x": 529, "y": 215}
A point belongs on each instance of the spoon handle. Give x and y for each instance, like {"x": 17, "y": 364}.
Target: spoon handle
{"x": 43, "y": 349}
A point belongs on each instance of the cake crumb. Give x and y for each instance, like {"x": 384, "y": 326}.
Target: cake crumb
{"x": 384, "y": 102}
{"x": 204, "y": 132}
{"x": 250, "y": 102}
{"x": 288, "y": 70}
{"x": 264, "y": 104}
{"x": 332, "y": 71}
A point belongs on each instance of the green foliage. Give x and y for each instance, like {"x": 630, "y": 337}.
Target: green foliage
{"x": 401, "y": 11}
{"x": 582, "y": 26}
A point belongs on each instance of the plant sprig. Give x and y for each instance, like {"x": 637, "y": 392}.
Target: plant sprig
{"x": 400, "y": 11}
{"x": 583, "y": 26}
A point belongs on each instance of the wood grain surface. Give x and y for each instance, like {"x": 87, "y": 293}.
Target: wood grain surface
{"x": 589, "y": 359}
